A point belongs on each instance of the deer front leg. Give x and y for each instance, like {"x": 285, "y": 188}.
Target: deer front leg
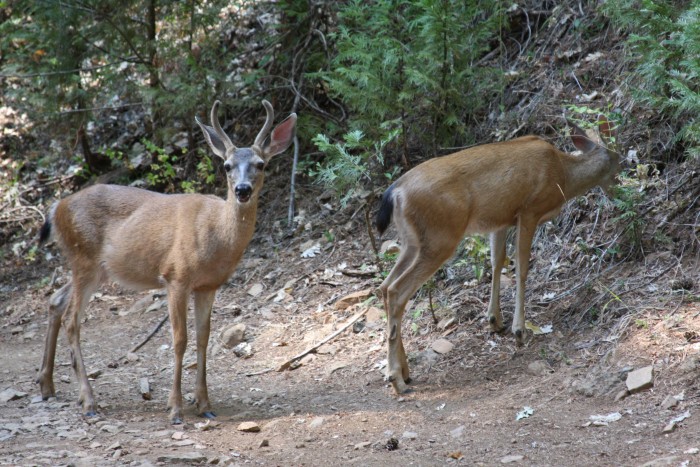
{"x": 498, "y": 256}
{"x": 177, "y": 308}
{"x": 57, "y": 306}
{"x": 526, "y": 231}
{"x": 203, "y": 302}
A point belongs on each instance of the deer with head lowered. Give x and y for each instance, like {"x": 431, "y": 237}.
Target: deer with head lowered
{"x": 488, "y": 188}
{"x": 188, "y": 244}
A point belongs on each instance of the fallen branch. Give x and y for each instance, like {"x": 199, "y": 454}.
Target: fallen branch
{"x": 288, "y": 363}
{"x": 153, "y": 333}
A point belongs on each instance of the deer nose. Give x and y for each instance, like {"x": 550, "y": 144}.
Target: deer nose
{"x": 243, "y": 192}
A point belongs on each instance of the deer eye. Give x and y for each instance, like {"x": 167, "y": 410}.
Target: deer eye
{"x": 260, "y": 165}
{"x": 227, "y": 166}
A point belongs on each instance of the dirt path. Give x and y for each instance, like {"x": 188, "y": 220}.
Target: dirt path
{"x": 335, "y": 409}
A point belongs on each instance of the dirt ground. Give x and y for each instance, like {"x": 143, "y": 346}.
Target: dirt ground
{"x": 483, "y": 402}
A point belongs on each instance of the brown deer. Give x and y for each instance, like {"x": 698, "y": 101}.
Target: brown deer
{"x": 184, "y": 243}
{"x": 487, "y": 188}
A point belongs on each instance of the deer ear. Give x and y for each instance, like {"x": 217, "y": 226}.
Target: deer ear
{"x": 216, "y": 144}
{"x": 280, "y": 138}
{"x": 605, "y": 127}
{"x": 580, "y": 138}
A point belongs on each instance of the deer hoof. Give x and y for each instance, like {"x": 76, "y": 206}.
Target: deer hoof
{"x": 208, "y": 414}
{"x": 519, "y": 337}
{"x": 176, "y": 421}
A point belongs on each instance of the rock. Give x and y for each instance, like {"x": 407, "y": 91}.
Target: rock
{"x": 670, "y": 427}
{"x": 409, "y": 435}
{"x": 353, "y": 298}
{"x": 264, "y": 443}
{"x": 458, "y": 432}
{"x": 621, "y": 395}
{"x": 669, "y": 403}
{"x": 243, "y": 350}
{"x": 255, "y": 290}
{"x": 538, "y": 368}
{"x": 374, "y": 315}
{"x": 362, "y": 445}
{"x": 10, "y": 394}
{"x": 389, "y": 247}
{"x": 233, "y": 335}
{"x": 182, "y": 458}
{"x": 691, "y": 451}
{"x": 511, "y": 458}
{"x": 316, "y": 422}
{"x": 248, "y": 427}
{"x": 641, "y": 379}
{"x": 661, "y": 461}
{"x": 442, "y": 346}
{"x": 145, "y": 389}
{"x": 446, "y": 323}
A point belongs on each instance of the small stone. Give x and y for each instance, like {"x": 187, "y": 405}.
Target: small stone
{"x": 233, "y": 335}
{"x": 389, "y": 247}
{"x": 264, "y": 443}
{"x": 641, "y": 379}
{"x": 132, "y": 357}
{"x": 409, "y": 435}
{"x": 255, "y": 290}
{"x": 184, "y": 442}
{"x": 114, "y": 446}
{"x": 374, "y": 315}
{"x": 243, "y": 350}
{"x": 442, "y": 346}
{"x": 538, "y": 368}
{"x": 145, "y": 389}
{"x": 458, "y": 432}
{"x": 669, "y": 403}
{"x": 178, "y": 435}
{"x": 670, "y": 427}
{"x": 10, "y": 394}
{"x": 316, "y": 422}
{"x": 353, "y": 298}
{"x": 446, "y": 323}
{"x": 457, "y": 455}
{"x": 362, "y": 445}
{"x": 691, "y": 451}
{"x": 182, "y": 458}
{"x": 249, "y": 427}
{"x": 511, "y": 458}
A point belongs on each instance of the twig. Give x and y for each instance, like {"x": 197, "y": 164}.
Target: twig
{"x": 261, "y": 372}
{"x": 288, "y": 363}
{"x": 153, "y": 333}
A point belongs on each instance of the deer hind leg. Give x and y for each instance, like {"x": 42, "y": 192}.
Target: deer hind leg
{"x": 84, "y": 285}
{"x": 526, "y": 231}
{"x": 177, "y": 309}
{"x": 425, "y": 261}
{"x": 406, "y": 257}
{"x": 57, "y": 306}
{"x": 203, "y": 302}
{"x": 498, "y": 256}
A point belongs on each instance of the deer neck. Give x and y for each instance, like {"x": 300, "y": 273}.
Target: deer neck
{"x": 240, "y": 218}
{"x": 586, "y": 171}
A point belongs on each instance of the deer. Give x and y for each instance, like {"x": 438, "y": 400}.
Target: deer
{"x": 489, "y": 188}
{"x": 187, "y": 244}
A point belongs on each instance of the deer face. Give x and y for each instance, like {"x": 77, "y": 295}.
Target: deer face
{"x": 245, "y": 171}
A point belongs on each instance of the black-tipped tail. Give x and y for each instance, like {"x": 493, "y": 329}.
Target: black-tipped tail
{"x": 45, "y": 232}
{"x": 386, "y": 209}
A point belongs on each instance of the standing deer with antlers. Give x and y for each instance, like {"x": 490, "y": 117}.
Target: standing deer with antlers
{"x": 184, "y": 243}
{"x": 487, "y": 188}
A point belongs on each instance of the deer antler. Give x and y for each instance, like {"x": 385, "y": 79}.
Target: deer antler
{"x": 217, "y": 127}
{"x": 260, "y": 139}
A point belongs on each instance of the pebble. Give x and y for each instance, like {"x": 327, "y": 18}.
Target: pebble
{"x": 640, "y": 379}
{"x": 316, "y": 422}
{"x": 409, "y": 435}
{"x": 511, "y": 458}
{"x": 249, "y": 427}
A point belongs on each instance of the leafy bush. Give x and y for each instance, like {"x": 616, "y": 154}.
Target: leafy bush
{"x": 414, "y": 65}
{"x": 664, "y": 38}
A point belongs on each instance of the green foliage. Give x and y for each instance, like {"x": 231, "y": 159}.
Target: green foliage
{"x": 476, "y": 252}
{"x": 349, "y": 163}
{"x": 413, "y": 64}
{"x": 664, "y": 42}
{"x": 162, "y": 173}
